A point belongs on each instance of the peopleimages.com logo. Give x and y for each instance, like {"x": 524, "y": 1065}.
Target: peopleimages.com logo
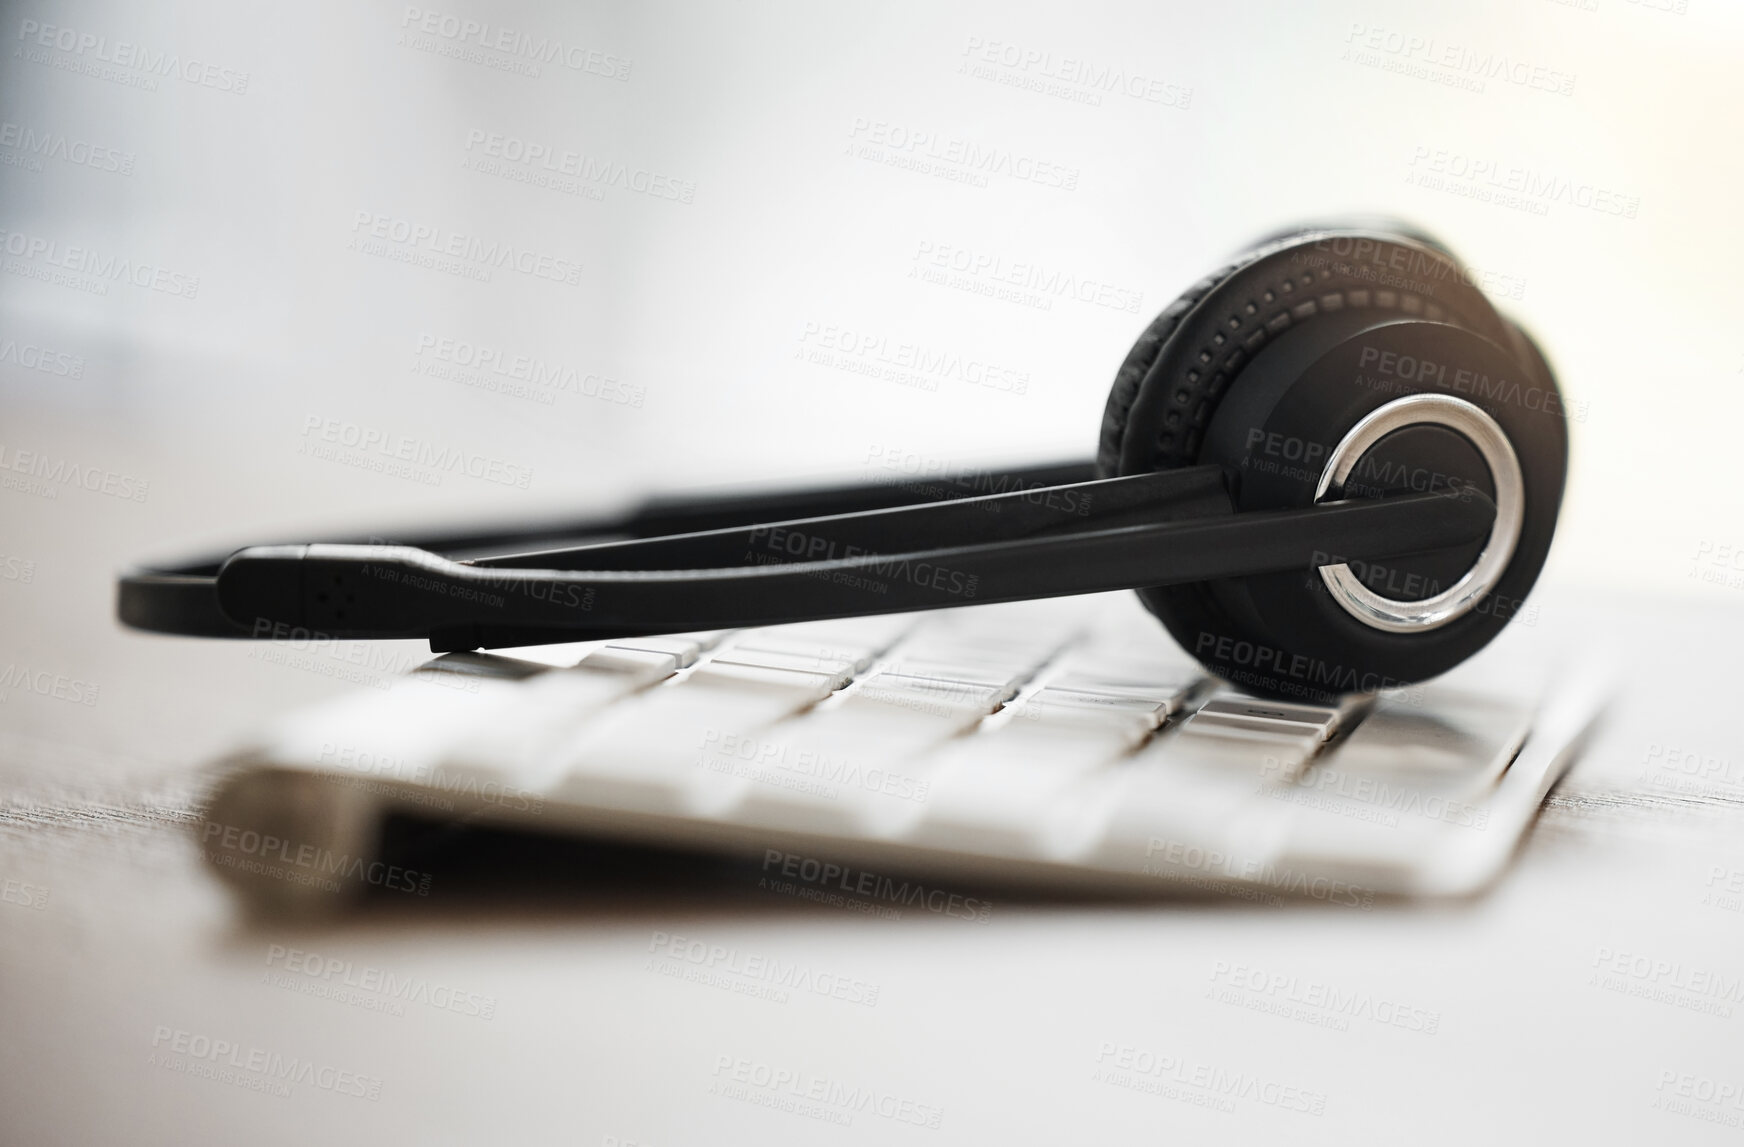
{"x": 829, "y": 879}
{"x": 87, "y": 269}
{"x": 248, "y": 850}
{"x": 404, "y": 456}
{"x": 253, "y": 1068}
{"x": 365, "y": 985}
{"x": 122, "y": 61}
{"x": 44, "y": 683}
{"x": 45, "y": 475}
{"x": 462, "y": 38}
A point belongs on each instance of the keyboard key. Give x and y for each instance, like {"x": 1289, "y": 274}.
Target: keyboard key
{"x": 1173, "y": 687}
{"x": 482, "y": 665}
{"x": 984, "y": 673}
{"x": 517, "y": 749}
{"x": 1090, "y": 715}
{"x": 1000, "y": 791}
{"x": 404, "y": 734}
{"x": 1247, "y": 757}
{"x": 816, "y": 662}
{"x": 1461, "y": 746}
{"x": 887, "y": 722}
{"x": 796, "y": 683}
{"x": 848, "y": 769}
{"x": 644, "y": 666}
{"x": 1204, "y": 796}
{"x": 1152, "y": 706}
{"x": 1407, "y": 776}
{"x": 1262, "y": 714}
{"x": 653, "y": 752}
{"x": 1005, "y": 678}
{"x": 650, "y": 756}
{"x": 563, "y": 655}
{"x": 1208, "y": 723}
{"x": 966, "y": 700}
{"x": 685, "y": 647}
{"x": 1079, "y": 693}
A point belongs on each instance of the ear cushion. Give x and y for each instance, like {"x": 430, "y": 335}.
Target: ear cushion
{"x": 1139, "y": 361}
{"x": 1527, "y": 350}
{"x": 1144, "y": 352}
{"x": 1370, "y": 224}
{"x": 1196, "y": 390}
{"x": 1149, "y": 346}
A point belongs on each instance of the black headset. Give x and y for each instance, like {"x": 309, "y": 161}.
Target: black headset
{"x": 1329, "y": 467}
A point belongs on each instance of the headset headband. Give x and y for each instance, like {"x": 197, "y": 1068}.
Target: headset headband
{"x": 1081, "y": 537}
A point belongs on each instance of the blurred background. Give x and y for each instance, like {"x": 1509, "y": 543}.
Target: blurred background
{"x": 277, "y": 271}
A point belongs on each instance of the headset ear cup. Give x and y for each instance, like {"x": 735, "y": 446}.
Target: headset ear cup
{"x": 1174, "y": 382}
{"x": 1139, "y": 361}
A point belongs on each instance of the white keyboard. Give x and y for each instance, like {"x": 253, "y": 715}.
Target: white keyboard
{"x": 1065, "y": 744}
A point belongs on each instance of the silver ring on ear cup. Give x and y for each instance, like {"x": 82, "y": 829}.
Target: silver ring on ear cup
{"x": 1481, "y": 431}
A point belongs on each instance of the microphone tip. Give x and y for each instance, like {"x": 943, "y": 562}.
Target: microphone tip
{"x": 261, "y": 588}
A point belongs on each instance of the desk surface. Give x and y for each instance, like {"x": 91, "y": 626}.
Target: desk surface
{"x": 538, "y": 994}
